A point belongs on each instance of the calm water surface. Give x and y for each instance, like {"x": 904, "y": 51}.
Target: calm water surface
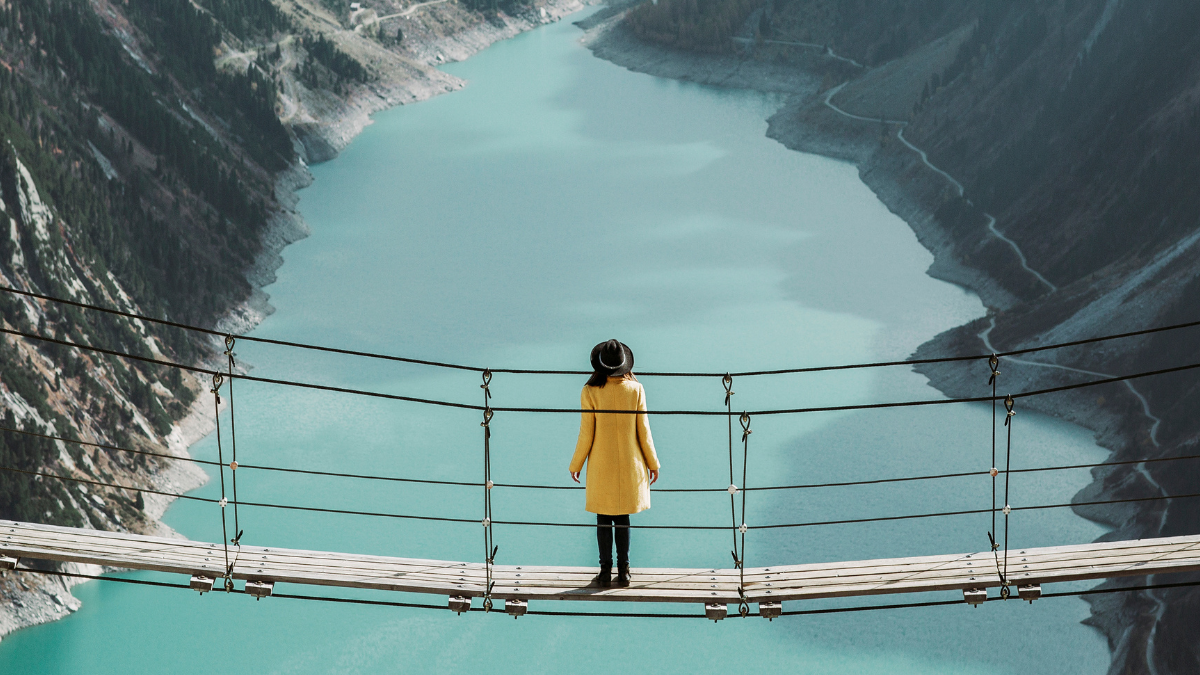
{"x": 555, "y": 202}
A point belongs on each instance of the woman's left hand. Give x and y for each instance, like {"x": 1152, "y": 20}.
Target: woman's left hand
{"x": 653, "y": 476}
{"x": 575, "y": 476}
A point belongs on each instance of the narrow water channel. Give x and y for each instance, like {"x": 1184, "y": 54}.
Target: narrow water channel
{"x": 557, "y": 201}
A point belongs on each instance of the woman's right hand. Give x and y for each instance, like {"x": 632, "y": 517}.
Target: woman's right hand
{"x": 575, "y": 476}
{"x": 653, "y": 476}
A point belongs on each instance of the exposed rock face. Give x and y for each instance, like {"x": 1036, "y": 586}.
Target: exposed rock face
{"x": 150, "y": 156}
{"x": 1044, "y": 152}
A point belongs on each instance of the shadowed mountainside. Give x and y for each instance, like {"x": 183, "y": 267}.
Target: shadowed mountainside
{"x": 1060, "y": 145}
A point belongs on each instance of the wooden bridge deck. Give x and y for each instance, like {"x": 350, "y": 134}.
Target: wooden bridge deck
{"x": 708, "y": 586}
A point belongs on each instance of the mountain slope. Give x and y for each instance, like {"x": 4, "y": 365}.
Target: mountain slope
{"x": 1045, "y": 152}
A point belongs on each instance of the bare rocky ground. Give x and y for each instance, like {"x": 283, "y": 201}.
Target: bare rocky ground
{"x": 967, "y": 253}
{"x": 324, "y": 120}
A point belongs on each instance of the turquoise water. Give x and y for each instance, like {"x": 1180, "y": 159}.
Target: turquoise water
{"x": 555, "y": 202}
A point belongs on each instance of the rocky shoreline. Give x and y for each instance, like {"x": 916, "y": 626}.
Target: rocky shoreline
{"x": 901, "y": 182}
{"x": 37, "y": 599}
{"x": 908, "y": 187}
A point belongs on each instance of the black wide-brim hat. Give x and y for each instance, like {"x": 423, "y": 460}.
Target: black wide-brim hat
{"x": 612, "y": 358}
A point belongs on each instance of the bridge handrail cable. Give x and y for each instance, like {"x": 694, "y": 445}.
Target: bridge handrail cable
{"x": 576, "y": 411}
{"x": 474, "y": 521}
{"x": 426, "y": 481}
{"x": 533, "y": 371}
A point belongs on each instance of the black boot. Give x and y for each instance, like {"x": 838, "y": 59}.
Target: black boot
{"x": 623, "y": 575}
{"x": 604, "y": 579}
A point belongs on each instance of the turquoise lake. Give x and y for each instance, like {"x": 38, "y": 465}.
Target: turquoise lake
{"x": 555, "y": 202}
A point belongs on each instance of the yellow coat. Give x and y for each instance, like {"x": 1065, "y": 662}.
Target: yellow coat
{"x": 618, "y": 448}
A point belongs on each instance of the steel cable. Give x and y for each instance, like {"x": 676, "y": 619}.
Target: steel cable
{"x": 439, "y": 364}
{"x": 576, "y": 411}
{"x": 802, "y": 486}
{"x": 876, "y": 519}
{"x": 630, "y": 615}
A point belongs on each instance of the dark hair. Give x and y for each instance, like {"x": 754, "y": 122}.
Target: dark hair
{"x": 599, "y": 379}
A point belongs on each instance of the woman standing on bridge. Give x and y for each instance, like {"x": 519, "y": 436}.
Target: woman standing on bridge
{"x": 619, "y": 452}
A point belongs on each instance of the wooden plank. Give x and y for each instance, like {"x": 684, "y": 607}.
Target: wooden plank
{"x": 791, "y": 582}
{"x": 1031, "y": 568}
{"x": 1044, "y": 571}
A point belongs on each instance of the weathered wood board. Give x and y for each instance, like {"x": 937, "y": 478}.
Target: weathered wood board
{"x": 771, "y": 584}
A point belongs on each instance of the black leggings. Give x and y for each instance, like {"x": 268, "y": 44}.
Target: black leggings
{"x": 604, "y": 538}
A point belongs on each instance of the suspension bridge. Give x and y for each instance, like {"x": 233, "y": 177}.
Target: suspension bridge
{"x": 212, "y": 566}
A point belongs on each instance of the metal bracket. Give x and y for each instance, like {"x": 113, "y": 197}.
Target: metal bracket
{"x": 8, "y": 562}
{"x": 516, "y": 607}
{"x": 201, "y": 583}
{"x": 770, "y": 610}
{"x": 716, "y": 611}
{"x": 1030, "y": 592}
{"x": 260, "y": 589}
{"x": 460, "y": 604}
{"x": 975, "y": 596}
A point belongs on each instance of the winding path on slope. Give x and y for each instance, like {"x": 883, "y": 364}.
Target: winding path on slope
{"x": 412, "y": 9}
{"x": 957, "y": 185}
{"x": 825, "y": 49}
{"x": 985, "y": 335}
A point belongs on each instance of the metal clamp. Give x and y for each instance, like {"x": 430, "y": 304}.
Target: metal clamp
{"x": 975, "y": 596}
{"x": 1030, "y": 592}
{"x": 217, "y": 380}
{"x": 770, "y": 610}
{"x": 460, "y": 604}
{"x": 201, "y": 583}
{"x": 716, "y": 611}
{"x": 516, "y": 607}
{"x": 8, "y": 562}
{"x": 260, "y": 589}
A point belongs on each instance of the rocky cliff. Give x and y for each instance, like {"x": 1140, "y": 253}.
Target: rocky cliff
{"x": 1045, "y": 152}
{"x": 149, "y": 155}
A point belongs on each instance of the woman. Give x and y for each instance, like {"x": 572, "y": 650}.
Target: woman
{"x": 619, "y": 452}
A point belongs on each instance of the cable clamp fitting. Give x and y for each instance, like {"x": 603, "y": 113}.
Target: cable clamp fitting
{"x": 487, "y": 522}
{"x": 489, "y": 485}
{"x": 993, "y": 472}
{"x": 224, "y": 502}
{"x": 745, "y": 420}
{"x": 487, "y": 379}
{"x": 727, "y": 382}
{"x": 1008, "y": 405}
{"x": 1007, "y": 509}
{"x": 487, "y": 417}
{"x": 217, "y": 380}
{"x": 229, "y": 346}
{"x": 993, "y": 362}
{"x": 743, "y": 528}
{"x": 233, "y": 466}
{"x": 732, "y": 489}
